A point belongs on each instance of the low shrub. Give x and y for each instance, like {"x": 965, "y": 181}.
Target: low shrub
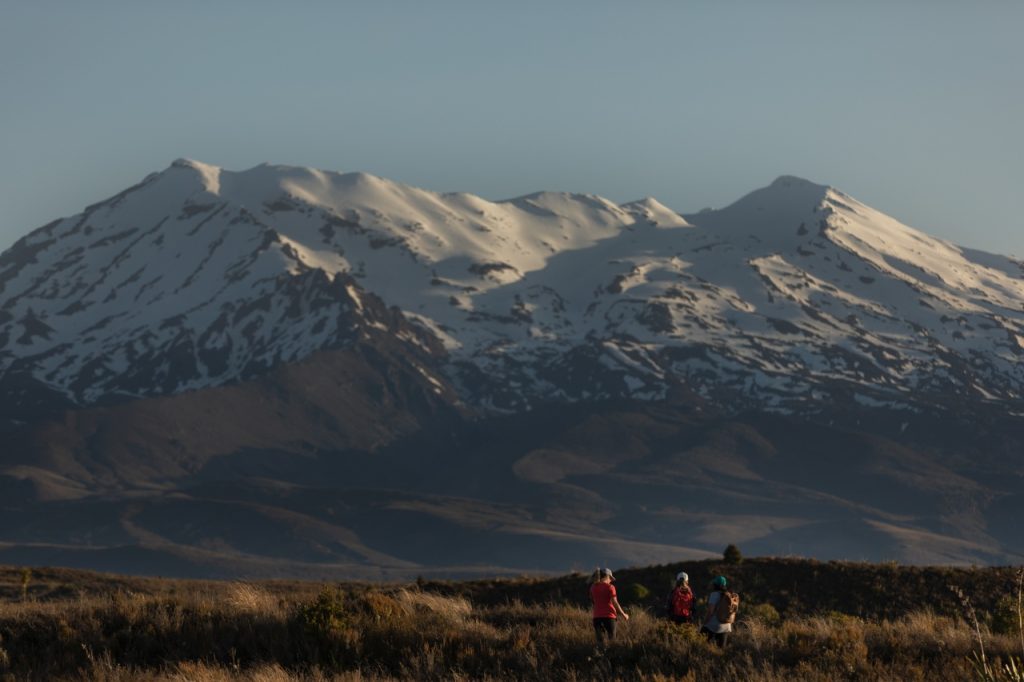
{"x": 765, "y": 614}
{"x": 325, "y": 615}
{"x": 637, "y": 592}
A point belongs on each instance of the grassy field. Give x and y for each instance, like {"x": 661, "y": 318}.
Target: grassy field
{"x": 800, "y": 620}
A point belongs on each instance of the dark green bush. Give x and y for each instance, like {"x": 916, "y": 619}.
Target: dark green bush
{"x": 326, "y": 614}
{"x": 732, "y": 555}
{"x": 1005, "y": 620}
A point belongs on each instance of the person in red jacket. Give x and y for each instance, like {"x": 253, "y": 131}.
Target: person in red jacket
{"x": 681, "y": 601}
{"x": 606, "y": 606}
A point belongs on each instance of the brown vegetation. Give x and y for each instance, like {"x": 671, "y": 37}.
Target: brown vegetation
{"x": 87, "y": 626}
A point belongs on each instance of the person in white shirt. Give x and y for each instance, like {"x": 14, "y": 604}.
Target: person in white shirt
{"x": 712, "y": 628}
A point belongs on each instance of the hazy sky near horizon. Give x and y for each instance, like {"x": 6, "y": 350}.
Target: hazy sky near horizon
{"x": 914, "y": 108}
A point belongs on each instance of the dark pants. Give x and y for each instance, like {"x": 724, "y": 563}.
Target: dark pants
{"x": 682, "y": 620}
{"x": 719, "y": 638}
{"x": 604, "y": 628}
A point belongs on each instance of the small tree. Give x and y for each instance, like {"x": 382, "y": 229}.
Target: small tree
{"x": 732, "y": 555}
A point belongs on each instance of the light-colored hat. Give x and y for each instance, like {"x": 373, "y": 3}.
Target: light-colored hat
{"x": 682, "y": 577}
{"x": 606, "y": 573}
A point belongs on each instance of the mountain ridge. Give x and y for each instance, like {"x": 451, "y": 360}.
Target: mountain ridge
{"x": 481, "y": 275}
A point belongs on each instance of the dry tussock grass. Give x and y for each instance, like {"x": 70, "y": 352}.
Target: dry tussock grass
{"x": 245, "y": 597}
{"x": 203, "y": 672}
{"x": 242, "y": 631}
{"x": 450, "y": 609}
{"x": 200, "y": 672}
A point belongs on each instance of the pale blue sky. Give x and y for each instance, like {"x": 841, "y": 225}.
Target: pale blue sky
{"x": 914, "y": 108}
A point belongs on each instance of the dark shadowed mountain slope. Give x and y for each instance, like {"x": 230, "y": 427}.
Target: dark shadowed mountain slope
{"x": 566, "y": 487}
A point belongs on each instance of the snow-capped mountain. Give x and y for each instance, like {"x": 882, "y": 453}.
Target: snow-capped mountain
{"x": 284, "y": 371}
{"x": 199, "y": 277}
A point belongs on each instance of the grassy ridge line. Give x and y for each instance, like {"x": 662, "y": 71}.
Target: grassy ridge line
{"x": 47, "y": 584}
{"x": 793, "y": 587}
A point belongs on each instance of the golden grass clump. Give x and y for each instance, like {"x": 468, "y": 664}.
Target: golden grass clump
{"x": 450, "y": 609}
{"x": 246, "y": 597}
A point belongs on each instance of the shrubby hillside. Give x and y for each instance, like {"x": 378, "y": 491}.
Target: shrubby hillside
{"x": 801, "y": 620}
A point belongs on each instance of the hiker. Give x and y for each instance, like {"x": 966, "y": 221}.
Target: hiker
{"x": 681, "y": 600}
{"x": 606, "y": 604}
{"x": 721, "y": 613}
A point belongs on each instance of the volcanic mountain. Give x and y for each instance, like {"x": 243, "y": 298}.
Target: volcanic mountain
{"x": 555, "y": 368}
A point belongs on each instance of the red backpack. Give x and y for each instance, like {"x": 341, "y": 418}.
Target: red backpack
{"x": 681, "y": 603}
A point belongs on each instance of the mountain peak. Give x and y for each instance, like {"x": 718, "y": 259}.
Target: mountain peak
{"x": 776, "y": 209}
{"x": 183, "y": 162}
{"x": 209, "y": 175}
{"x": 793, "y": 181}
{"x": 654, "y": 211}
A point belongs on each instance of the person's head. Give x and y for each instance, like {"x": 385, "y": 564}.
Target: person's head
{"x": 682, "y": 578}
{"x": 719, "y": 583}
{"x": 606, "y": 575}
